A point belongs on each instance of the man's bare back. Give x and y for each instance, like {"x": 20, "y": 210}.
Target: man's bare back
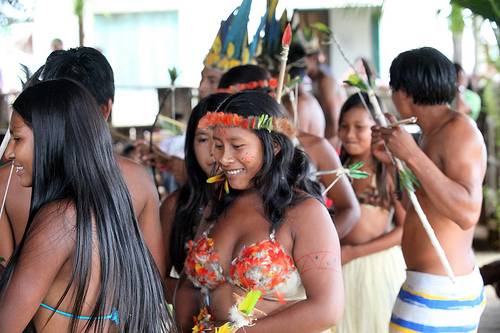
{"x": 310, "y": 116}
{"x": 144, "y": 200}
{"x": 330, "y": 98}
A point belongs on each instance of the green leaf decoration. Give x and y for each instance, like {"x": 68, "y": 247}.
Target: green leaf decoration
{"x": 407, "y": 180}
{"x": 356, "y": 173}
{"x": 321, "y": 27}
{"x": 356, "y": 166}
{"x": 355, "y": 81}
{"x": 292, "y": 82}
{"x": 174, "y": 74}
{"x": 248, "y": 303}
{"x": 170, "y": 127}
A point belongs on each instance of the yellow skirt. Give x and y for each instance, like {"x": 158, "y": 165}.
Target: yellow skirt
{"x": 371, "y": 285}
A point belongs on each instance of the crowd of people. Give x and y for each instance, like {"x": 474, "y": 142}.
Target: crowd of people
{"x": 263, "y": 215}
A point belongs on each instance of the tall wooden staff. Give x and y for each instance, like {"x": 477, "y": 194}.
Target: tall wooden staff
{"x": 285, "y": 44}
{"x": 405, "y": 175}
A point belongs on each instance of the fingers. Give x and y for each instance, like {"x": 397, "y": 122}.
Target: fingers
{"x": 390, "y": 118}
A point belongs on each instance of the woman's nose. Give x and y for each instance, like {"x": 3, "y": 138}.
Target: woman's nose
{"x": 9, "y": 151}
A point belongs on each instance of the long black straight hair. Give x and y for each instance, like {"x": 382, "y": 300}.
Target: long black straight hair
{"x": 195, "y": 195}
{"x": 283, "y": 180}
{"x": 74, "y": 162}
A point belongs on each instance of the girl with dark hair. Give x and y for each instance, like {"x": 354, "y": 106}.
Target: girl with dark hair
{"x": 81, "y": 265}
{"x": 269, "y": 229}
{"x": 321, "y": 153}
{"x": 182, "y": 212}
{"x": 373, "y": 264}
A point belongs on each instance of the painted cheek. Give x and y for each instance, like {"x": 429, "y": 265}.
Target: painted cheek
{"x": 248, "y": 158}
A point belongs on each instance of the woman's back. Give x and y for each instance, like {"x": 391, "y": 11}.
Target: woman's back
{"x": 82, "y": 263}
{"x": 62, "y": 231}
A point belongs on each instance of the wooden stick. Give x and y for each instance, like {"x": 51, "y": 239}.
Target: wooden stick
{"x": 411, "y": 120}
{"x": 5, "y": 143}
{"x": 413, "y": 198}
{"x": 285, "y": 43}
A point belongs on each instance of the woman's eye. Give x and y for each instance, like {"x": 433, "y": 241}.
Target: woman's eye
{"x": 202, "y": 140}
{"x": 218, "y": 146}
{"x": 237, "y": 146}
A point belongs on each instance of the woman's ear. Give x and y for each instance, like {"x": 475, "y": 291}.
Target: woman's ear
{"x": 276, "y": 147}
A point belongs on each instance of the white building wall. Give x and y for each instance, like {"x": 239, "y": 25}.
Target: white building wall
{"x": 405, "y": 24}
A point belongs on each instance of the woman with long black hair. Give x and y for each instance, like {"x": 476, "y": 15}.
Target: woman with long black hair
{"x": 269, "y": 230}
{"x": 82, "y": 264}
{"x": 183, "y": 211}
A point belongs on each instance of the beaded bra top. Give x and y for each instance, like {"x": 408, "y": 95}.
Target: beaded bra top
{"x": 263, "y": 266}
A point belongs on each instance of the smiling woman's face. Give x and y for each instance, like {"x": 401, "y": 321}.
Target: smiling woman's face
{"x": 355, "y": 131}
{"x": 20, "y": 149}
{"x": 239, "y": 152}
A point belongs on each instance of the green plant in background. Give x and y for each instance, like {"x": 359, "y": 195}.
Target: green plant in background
{"x": 457, "y": 25}
{"x": 79, "y": 6}
{"x": 488, "y": 9}
{"x": 174, "y": 74}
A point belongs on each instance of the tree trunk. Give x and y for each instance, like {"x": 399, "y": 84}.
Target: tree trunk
{"x": 81, "y": 34}
{"x": 457, "y": 47}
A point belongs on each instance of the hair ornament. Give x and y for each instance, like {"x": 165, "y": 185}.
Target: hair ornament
{"x": 262, "y": 122}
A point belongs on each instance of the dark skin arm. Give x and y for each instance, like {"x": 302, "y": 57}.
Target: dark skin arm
{"x": 146, "y": 207}
{"x": 329, "y": 103}
{"x": 187, "y": 300}
{"x": 46, "y": 250}
{"x": 6, "y": 238}
{"x": 346, "y": 205}
{"x": 383, "y": 242}
{"x": 180, "y": 292}
{"x": 455, "y": 189}
{"x": 316, "y": 253}
{"x": 167, "y": 211}
{"x": 6, "y": 233}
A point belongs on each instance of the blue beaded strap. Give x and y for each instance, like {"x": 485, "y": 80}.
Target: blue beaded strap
{"x": 113, "y": 316}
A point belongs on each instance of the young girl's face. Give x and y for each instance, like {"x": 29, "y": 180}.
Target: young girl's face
{"x": 239, "y": 152}
{"x": 355, "y": 131}
{"x": 203, "y": 149}
{"x": 20, "y": 149}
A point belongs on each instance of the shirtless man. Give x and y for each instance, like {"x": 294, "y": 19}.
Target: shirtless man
{"x": 311, "y": 119}
{"x": 89, "y": 67}
{"x": 450, "y": 163}
{"x": 328, "y": 94}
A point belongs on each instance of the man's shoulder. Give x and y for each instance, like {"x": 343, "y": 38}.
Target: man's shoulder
{"x": 462, "y": 128}
{"x": 131, "y": 169}
{"x": 312, "y": 141}
{"x": 137, "y": 178}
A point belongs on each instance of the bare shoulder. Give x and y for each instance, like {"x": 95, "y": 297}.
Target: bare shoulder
{"x": 170, "y": 202}
{"x": 308, "y": 212}
{"x": 132, "y": 170}
{"x": 310, "y": 141}
{"x": 139, "y": 182}
{"x": 460, "y": 133}
{"x": 167, "y": 209}
{"x": 55, "y": 223}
